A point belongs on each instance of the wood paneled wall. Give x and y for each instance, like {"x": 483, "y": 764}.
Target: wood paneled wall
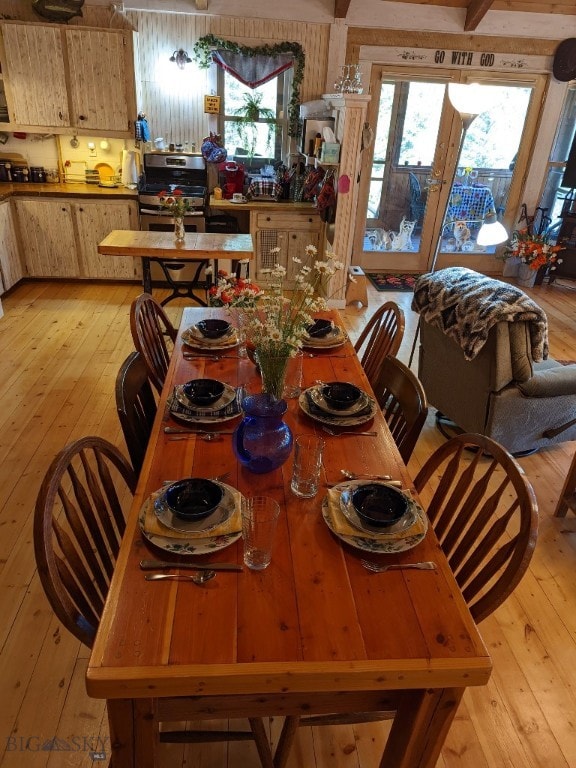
{"x": 175, "y": 110}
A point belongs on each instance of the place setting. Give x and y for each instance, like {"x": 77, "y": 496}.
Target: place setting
{"x": 337, "y": 403}
{"x": 192, "y": 516}
{"x": 374, "y": 516}
{"x": 211, "y": 335}
{"x": 323, "y": 334}
{"x": 205, "y": 401}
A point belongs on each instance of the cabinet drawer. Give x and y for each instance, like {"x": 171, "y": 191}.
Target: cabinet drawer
{"x": 287, "y": 221}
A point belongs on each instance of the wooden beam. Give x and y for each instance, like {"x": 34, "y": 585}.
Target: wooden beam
{"x": 201, "y": 5}
{"x": 475, "y": 13}
{"x": 341, "y": 8}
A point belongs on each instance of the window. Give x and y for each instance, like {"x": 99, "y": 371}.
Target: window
{"x": 268, "y": 145}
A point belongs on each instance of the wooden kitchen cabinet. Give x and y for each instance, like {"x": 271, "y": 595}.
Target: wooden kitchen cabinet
{"x": 95, "y": 220}
{"x": 289, "y": 231}
{"x": 60, "y": 237}
{"x": 60, "y": 78}
{"x": 11, "y": 269}
{"x": 47, "y": 237}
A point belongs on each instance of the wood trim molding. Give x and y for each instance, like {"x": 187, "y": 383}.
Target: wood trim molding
{"x": 358, "y": 36}
{"x": 341, "y": 8}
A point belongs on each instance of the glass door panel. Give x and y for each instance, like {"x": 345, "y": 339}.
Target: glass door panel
{"x": 413, "y": 220}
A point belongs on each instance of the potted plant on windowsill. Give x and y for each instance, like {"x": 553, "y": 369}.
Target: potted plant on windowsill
{"x": 250, "y": 115}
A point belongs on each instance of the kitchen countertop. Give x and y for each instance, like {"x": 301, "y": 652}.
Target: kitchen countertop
{"x": 29, "y": 189}
{"x": 262, "y": 205}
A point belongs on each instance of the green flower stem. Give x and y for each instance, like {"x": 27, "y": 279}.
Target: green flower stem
{"x": 273, "y": 370}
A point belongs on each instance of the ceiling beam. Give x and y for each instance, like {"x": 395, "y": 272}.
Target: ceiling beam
{"x": 341, "y": 8}
{"x": 201, "y": 5}
{"x": 475, "y": 13}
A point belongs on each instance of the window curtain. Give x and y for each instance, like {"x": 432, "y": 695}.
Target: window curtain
{"x": 253, "y": 70}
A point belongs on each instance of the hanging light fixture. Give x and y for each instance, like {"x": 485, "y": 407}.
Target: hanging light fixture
{"x": 181, "y": 58}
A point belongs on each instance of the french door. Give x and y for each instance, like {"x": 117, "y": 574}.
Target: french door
{"x": 421, "y": 203}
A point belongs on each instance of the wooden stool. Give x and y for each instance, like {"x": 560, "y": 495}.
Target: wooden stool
{"x": 357, "y": 290}
{"x": 567, "y": 498}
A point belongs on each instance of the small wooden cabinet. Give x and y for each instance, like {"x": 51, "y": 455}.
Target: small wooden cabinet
{"x": 289, "y": 231}
{"x": 11, "y": 269}
{"x": 61, "y": 77}
{"x": 60, "y": 237}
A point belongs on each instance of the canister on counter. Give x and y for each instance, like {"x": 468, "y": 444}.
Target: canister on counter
{"x": 37, "y": 174}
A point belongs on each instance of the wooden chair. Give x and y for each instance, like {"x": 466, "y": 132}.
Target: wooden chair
{"x": 151, "y": 329}
{"x": 78, "y": 527}
{"x": 136, "y": 407}
{"x": 567, "y": 498}
{"x": 402, "y": 399}
{"x": 485, "y": 516}
{"x": 381, "y": 337}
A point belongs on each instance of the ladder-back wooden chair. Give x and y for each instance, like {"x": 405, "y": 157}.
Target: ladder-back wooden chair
{"x": 381, "y": 337}
{"x": 153, "y": 335}
{"x": 136, "y": 407}
{"x": 485, "y": 515}
{"x": 402, "y": 399}
{"x": 78, "y": 527}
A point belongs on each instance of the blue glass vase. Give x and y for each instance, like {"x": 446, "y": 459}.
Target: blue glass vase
{"x": 262, "y": 441}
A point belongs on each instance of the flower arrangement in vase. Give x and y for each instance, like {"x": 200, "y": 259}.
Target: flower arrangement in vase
{"x": 275, "y": 319}
{"x": 534, "y": 250}
{"x": 178, "y": 206}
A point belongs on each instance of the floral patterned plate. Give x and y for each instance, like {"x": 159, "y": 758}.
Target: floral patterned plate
{"x": 193, "y": 338}
{"x": 182, "y": 546}
{"x": 336, "y": 338}
{"x": 383, "y": 543}
{"x": 220, "y": 515}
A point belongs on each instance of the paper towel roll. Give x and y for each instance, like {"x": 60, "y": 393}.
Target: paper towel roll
{"x": 129, "y": 169}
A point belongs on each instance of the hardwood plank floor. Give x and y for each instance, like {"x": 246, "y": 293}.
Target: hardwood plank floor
{"x": 62, "y": 345}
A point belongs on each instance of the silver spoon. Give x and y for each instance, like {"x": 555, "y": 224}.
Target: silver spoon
{"x": 197, "y": 578}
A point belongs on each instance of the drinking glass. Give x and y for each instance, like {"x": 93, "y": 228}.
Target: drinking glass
{"x": 259, "y": 519}
{"x": 308, "y": 450}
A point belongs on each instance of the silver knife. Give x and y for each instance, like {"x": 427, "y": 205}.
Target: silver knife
{"x": 153, "y": 565}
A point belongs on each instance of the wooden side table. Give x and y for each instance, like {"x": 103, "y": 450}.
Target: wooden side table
{"x": 356, "y": 286}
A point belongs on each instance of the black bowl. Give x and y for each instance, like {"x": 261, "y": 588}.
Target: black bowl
{"x": 340, "y": 395}
{"x": 193, "y": 498}
{"x": 319, "y": 328}
{"x": 213, "y": 328}
{"x": 203, "y": 391}
{"x": 379, "y": 505}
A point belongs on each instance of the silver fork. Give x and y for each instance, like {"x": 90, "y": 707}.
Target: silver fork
{"x": 426, "y": 565}
{"x": 335, "y": 433}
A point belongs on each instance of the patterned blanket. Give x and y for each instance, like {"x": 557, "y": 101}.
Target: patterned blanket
{"x": 465, "y": 304}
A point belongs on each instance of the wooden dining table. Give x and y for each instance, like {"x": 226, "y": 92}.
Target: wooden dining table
{"x": 200, "y": 248}
{"x": 314, "y": 632}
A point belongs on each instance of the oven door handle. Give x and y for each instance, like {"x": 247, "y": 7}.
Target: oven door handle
{"x": 154, "y": 212}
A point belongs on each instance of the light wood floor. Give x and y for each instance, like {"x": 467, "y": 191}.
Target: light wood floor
{"x": 62, "y": 345}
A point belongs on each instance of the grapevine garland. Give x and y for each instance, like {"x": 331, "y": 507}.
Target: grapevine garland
{"x": 202, "y": 54}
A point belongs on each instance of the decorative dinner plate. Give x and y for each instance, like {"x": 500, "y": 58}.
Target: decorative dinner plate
{"x": 336, "y": 338}
{"x": 318, "y": 400}
{"x": 200, "y": 416}
{"x": 385, "y": 543}
{"x": 310, "y": 409}
{"x": 181, "y": 546}
{"x": 220, "y": 515}
{"x": 193, "y": 338}
{"x": 226, "y": 398}
{"x": 347, "y": 508}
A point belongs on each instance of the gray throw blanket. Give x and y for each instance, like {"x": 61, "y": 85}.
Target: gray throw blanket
{"x": 464, "y": 305}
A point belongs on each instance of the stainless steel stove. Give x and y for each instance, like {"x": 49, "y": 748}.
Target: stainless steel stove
{"x": 165, "y": 172}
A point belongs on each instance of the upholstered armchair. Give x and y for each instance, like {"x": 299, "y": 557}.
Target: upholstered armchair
{"x": 482, "y": 361}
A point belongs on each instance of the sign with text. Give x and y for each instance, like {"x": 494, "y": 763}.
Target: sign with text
{"x": 212, "y": 105}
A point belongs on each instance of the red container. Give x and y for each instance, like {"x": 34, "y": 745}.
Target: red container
{"x": 232, "y": 175}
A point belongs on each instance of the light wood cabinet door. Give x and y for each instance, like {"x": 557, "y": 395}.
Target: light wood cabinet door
{"x": 95, "y": 220}
{"x": 101, "y": 79}
{"x": 35, "y": 78}
{"x": 11, "y": 269}
{"x": 47, "y": 237}
{"x": 291, "y": 232}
